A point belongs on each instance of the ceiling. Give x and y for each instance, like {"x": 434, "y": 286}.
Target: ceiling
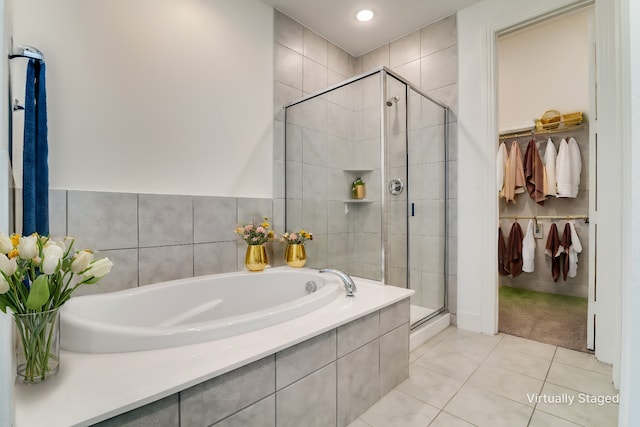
{"x": 335, "y": 19}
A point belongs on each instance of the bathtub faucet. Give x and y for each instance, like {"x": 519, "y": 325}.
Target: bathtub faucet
{"x": 349, "y": 286}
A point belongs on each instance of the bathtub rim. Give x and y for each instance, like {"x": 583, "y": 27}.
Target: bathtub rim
{"x": 127, "y": 380}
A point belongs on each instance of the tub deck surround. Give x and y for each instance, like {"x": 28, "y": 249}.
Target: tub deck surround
{"x": 94, "y": 387}
{"x": 192, "y": 310}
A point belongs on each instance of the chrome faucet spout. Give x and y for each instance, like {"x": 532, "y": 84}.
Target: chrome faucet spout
{"x": 349, "y": 285}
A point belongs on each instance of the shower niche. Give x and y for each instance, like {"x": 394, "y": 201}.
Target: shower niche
{"x": 381, "y": 129}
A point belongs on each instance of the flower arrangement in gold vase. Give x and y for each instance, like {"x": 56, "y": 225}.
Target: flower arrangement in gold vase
{"x": 295, "y": 254}
{"x": 37, "y": 276}
{"x": 255, "y": 235}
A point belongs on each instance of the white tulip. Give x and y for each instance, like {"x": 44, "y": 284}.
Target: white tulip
{"x": 5, "y": 244}
{"x": 28, "y": 247}
{"x": 81, "y": 261}
{"x": 8, "y": 266}
{"x": 4, "y": 285}
{"x": 99, "y": 268}
{"x": 52, "y": 254}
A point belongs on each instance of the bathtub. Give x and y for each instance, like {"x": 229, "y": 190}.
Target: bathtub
{"x": 194, "y": 310}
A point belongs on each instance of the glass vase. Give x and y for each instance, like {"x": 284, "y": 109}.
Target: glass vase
{"x": 256, "y": 258}
{"x": 38, "y": 350}
{"x": 295, "y": 255}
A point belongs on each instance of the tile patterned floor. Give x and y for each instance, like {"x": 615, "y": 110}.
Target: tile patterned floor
{"x": 464, "y": 379}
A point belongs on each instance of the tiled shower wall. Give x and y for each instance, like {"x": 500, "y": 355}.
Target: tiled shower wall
{"x": 305, "y": 63}
{"x": 153, "y": 238}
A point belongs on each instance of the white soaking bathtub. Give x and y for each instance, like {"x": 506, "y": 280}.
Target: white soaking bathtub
{"x": 193, "y": 310}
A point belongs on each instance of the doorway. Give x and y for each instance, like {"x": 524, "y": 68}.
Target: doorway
{"x": 545, "y": 67}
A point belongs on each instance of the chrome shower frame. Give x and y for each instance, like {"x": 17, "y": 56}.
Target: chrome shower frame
{"x": 383, "y": 71}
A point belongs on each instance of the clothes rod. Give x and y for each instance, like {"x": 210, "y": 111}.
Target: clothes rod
{"x": 552, "y": 217}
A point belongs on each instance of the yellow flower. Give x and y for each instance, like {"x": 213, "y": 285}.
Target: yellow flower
{"x": 265, "y": 224}
{"x": 14, "y": 253}
{"x": 15, "y": 240}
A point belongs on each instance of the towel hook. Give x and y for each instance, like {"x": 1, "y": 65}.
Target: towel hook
{"x": 24, "y": 51}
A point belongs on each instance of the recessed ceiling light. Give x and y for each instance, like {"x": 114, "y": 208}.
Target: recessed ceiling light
{"x": 365, "y": 15}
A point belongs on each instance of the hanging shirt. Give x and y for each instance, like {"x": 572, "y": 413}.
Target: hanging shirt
{"x": 514, "y": 181}
{"x": 574, "y": 250}
{"x": 529, "y": 250}
{"x": 534, "y": 173}
{"x": 552, "y": 249}
{"x": 568, "y": 168}
{"x": 502, "y": 255}
{"x": 565, "y": 245}
{"x": 550, "y": 155}
{"x": 501, "y": 164}
{"x": 514, "y": 250}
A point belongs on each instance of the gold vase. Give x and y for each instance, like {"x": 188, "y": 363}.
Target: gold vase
{"x": 358, "y": 192}
{"x": 256, "y": 258}
{"x": 295, "y": 255}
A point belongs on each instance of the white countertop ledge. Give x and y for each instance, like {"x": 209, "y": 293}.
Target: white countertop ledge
{"x": 94, "y": 387}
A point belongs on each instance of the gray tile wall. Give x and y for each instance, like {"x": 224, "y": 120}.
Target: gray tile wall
{"x": 303, "y": 63}
{"x": 428, "y": 58}
{"x": 328, "y": 380}
{"x": 140, "y": 232}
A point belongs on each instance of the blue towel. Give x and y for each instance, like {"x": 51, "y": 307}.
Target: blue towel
{"x": 35, "y": 169}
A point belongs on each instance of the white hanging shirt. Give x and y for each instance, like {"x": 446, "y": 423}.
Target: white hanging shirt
{"x": 501, "y": 163}
{"x": 574, "y": 250}
{"x": 550, "y": 155}
{"x": 528, "y": 249}
{"x": 568, "y": 168}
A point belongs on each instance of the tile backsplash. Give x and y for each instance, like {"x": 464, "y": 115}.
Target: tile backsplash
{"x": 156, "y": 237}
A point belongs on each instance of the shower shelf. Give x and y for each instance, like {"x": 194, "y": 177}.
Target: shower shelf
{"x": 358, "y": 170}
{"x": 358, "y": 201}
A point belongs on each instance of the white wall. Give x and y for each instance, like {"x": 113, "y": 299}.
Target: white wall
{"x": 156, "y": 96}
{"x": 630, "y": 316}
{"x": 544, "y": 67}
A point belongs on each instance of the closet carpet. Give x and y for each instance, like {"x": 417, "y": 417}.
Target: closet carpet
{"x": 553, "y": 319}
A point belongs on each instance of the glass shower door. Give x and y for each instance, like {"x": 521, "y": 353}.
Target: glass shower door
{"x": 427, "y": 207}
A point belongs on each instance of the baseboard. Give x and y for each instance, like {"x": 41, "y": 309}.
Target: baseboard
{"x": 427, "y": 331}
{"x": 469, "y": 321}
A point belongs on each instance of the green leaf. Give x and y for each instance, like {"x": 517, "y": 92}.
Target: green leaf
{"x": 39, "y": 293}
{"x": 92, "y": 280}
{"x": 3, "y": 305}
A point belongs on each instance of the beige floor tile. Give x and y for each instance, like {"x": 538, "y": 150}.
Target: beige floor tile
{"x": 581, "y": 360}
{"x": 447, "y": 420}
{"x": 471, "y": 345}
{"x": 583, "y": 413}
{"x": 358, "y": 423}
{"x": 517, "y": 361}
{"x": 484, "y": 408}
{"x": 529, "y": 347}
{"x": 422, "y": 349}
{"x": 580, "y": 379}
{"x": 506, "y": 383}
{"x": 429, "y": 386}
{"x": 399, "y": 409}
{"x": 542, "y": 419}
{"x": 448, "y": 363}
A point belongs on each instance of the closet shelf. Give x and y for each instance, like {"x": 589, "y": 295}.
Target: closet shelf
{"x": 562, "y": 128}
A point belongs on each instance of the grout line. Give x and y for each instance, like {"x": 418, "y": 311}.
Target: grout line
{"x": 543, "y": 384}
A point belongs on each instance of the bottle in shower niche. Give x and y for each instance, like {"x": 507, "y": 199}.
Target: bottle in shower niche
{"x": 358, "y": 189}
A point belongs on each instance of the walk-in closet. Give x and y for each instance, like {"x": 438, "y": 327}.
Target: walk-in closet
{"x": 543, "y": 170}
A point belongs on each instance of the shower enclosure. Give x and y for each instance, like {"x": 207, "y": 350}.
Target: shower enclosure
{"x": 381, "y": 129}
